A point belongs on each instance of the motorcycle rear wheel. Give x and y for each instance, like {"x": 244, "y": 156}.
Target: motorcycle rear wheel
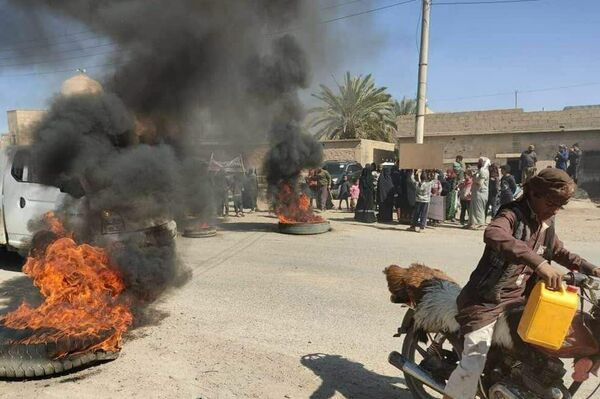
{"x": 415, "y": 351}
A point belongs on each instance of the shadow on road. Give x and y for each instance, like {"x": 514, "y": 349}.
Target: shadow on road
{"x": 11, "y": 261}
{"x": 17, "y": 290}
{"x": 351, "y": 379}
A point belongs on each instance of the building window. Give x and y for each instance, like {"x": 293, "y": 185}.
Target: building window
{"x": 516, "y": 143}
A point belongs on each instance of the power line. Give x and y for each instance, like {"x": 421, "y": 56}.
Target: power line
{"x": 454, "y": 3}
{"x": 46, "y": 45}
{"x": 341, "y": 4}
{"x": 66, "y": 50}
{"x": 510, "y": 93}
{"x": 15, "y": 45}
{"x": 7, "y": 49}
{"x": 560, "y": 87}
{"x": 60, "y": 59}
{"x": 367, "y": 11}
{"x": 356, "y": 14}
{"x": 60, "y": 70}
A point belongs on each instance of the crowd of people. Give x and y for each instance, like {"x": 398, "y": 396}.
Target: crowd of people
{"x": 474, "y": 194}
{"x": 240, "y": 187}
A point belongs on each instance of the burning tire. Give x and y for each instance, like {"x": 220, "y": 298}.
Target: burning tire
{"x": 200, "y": 233}
{"x": 197, "y": 228}
{"x": 304, "y": 228}
{"x": 20, "y": 360}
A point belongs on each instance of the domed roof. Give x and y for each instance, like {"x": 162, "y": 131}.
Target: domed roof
{"x": 80, "y": 84}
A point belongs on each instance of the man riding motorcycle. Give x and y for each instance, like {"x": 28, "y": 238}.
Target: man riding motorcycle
{"x": 520, "y": 242}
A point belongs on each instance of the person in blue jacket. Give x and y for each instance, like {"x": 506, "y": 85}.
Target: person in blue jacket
{"x": 562, "y": 157}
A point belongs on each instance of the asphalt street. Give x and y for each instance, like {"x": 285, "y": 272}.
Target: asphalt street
{"x": 267, "y": 315}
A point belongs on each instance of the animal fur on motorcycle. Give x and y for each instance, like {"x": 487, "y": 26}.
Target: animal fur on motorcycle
{"x": 407, "y": 284}
{"x": 433, "y": 296}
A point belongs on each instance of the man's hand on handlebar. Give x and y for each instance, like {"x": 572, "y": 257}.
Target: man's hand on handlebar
{"x": 551, "y": 276}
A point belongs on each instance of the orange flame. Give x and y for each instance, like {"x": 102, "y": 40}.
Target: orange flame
{"x": 293, "y": 207}
{"x": 81, "y": 294}
{"x": 55, "y": 225}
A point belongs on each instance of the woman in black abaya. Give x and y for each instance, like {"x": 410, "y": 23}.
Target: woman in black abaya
{"x": 385, "y": 196}
{"x": 365, "y": 208}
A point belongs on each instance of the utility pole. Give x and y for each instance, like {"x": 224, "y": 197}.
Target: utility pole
{"x": 516, "y": 99}
{"x": 422, "y": 87}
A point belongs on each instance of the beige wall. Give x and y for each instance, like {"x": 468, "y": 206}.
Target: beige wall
{"x": 491, "y": 145}
{"x": 376, "y": 151}
{"x": 363, "y": 151}
{"x": 502, "y": 121}
{"x": 341, "y": 150}
{"x": 341, "y": 154}
{"x": 6, "y": 140}
{"x": 21, "y": 124}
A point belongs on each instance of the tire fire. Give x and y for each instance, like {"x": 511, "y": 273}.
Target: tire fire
{"x": 82, "y": 297}
{"x": 294, "y": 207}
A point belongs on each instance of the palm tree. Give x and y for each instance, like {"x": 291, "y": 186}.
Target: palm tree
{"x": 406, "y": 106}
{"x": 359, "y": 110}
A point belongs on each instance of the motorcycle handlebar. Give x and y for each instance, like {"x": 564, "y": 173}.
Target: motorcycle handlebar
{"x": 576, "y": 279}
{"x": 582, "y": 280}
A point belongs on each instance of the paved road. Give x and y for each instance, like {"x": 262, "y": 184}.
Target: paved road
{"x": 267, "y": 315}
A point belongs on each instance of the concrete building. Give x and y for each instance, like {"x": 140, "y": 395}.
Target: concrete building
{"x": 360, "y": 150}
{"x": 20, "y": 125}
{"x": 22, "y": 121}
{"x": 502, "y": 135}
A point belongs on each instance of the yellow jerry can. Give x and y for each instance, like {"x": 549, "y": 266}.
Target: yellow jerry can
{"x": 548, "y": 316}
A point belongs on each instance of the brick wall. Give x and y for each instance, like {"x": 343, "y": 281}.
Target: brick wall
{"x": 340, "y": 154}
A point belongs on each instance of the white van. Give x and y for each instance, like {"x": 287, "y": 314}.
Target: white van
{"x": 23, "y": 199}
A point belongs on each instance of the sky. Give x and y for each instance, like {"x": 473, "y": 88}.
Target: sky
{"x": 479, "y": 55}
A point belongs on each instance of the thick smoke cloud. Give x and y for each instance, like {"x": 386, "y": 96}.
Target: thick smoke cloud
{"x": 184, "y": 70}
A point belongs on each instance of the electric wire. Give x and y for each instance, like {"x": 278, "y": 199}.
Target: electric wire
{"x": 67, "y": 50}
{"x": 47, "y": 37}
{"x": 341, "y": 4}
{"x": 16, "y": 75}
{"x": 14, "y": 45}
{"x": 45, "y": 44}
{"x": 281, "y": 32}
{"x": 588, "y": 84}
{"x": 356, "y": 14}
{"x": 456, "y": 3}
{"x": 76, "y": 57}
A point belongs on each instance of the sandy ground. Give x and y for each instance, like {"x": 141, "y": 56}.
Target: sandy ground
{"x": 267, "y": 315}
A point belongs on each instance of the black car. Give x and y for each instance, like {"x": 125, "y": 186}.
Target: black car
{"x": 337, "y": 169}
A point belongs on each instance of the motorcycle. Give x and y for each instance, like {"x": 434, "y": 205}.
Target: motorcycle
{"x": 514, "y": 369}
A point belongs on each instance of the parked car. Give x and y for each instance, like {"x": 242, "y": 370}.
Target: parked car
{"x": 23, "y": 200}
{"x": 337, "y": 169}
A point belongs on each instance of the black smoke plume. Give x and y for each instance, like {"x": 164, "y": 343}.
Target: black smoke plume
{"x": 183, "y": 71}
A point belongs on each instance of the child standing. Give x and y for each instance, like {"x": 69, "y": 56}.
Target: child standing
{"x": 423, "y": 185}
{"x": 508, "y": 186}
{"x": 464, "y": 194}
{"x": 344, "y": 192}
{"x": 354, "y": 194}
